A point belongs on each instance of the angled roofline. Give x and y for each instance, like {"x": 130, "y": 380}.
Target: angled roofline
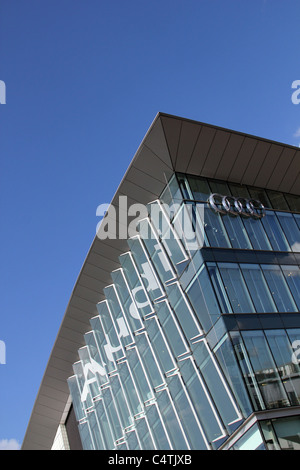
{"x": 171, "y": 144}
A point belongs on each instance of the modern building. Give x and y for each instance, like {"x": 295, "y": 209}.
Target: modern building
{"x": 183, "y": 332}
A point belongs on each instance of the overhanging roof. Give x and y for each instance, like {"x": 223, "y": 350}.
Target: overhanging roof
{"x": 171, "y": 144}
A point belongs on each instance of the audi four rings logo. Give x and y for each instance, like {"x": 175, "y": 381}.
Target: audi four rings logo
{"x": 236, "y": 206}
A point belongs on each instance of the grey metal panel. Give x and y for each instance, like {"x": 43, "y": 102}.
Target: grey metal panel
{"x": 201, "y": 150}
{"x": 257, "y": 159}
{"x": 291, "y": 175}
{"x": 215, "y": 153}
{"x": 171, "y": 143}
{"x": 295, "y": 189}
{"x": 155, "y": 141}
{"x": 268, "y": 164}
{"x": 152, "y": 165}
{"x": 242, "y": 160}
{"x": 229, "y": 156}
{"x": 147, "y": 181}
{"x": 172, "y": 129}
{"x": 280, "y": 169}
{"x": 188, "y": 138}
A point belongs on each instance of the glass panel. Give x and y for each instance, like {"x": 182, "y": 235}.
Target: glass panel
{"x": 156, "y": 252}
{"x": 95, "y": 431}
{"x": 201, "y": 401}
{"x": 145, "y": 268}
{"x": 105, "y": 426}
{"x": 289, "y": 372}
{"x": 120, "y": 401}
{"x": 279, "y": 289}
{"x": 291, "y": 229}
{"x": 139, "y": 375}
{"x": 251, "y": 440}
{"x": 297, "y": 218}
{"x": 142, "y": 301}
{"x": 257, "y": 234}
{"x": 227, "y": 360}
{"x": 200, "y": 188}
{"x": 292, "y": 276}
{"x": 277, "y": 200}
{"x": 260, "y": 195}
{"x": 160, "y": 345}
{"x": 288, "y": 432}
{"x": 274, "y": 232}
{"x": 112, "y": 414}
{"x": 293, "y": 202}
{"x": 171, "y": 329}
{"x": 129, "y": 307}
{"x": 157, "y": 429}
{"x": 258, "y": 288}
{"x": 239, "y": 191}
{"x": 266, "y": 373}
{"x": 236, "y": 232}
{"x": 183, "y": 311}
{"x": 171, "y": 193}
{"x": 171, "y": 421}
{"x": 219, "y": 187}
{"x": 186, "y": 415}
{"x": 236, "y": 288}
{"x": 269, "y": 435}
{"x": 148, "y": 360}
{"x": 188, "y": 225}
{"x": 85, "y": 436}
{"x": 161, "y": 223}
{"x": 144, "y": 434}
{"x": 219, "y": 287}
{"x": 247, "y": 371}
{"x": 203, "y": 299}
{"x": 215, "y": 229}
{"x": 130, "y": 389}
{"x": 76, "y": 397}
{"x": 215, "y": 384}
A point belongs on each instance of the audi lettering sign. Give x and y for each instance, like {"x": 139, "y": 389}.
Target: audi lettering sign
{"x": 236, "y": 206}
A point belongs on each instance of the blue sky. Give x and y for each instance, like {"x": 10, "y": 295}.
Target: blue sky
{"x": 84, "y": 80}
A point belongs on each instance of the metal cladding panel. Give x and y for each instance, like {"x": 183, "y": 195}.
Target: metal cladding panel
{"x": 270, "y": 161}
{"x": 278, "y": 171}
{"x": 229, "y": 156}
{"x": 171, "y": 144}
{"x": 215, "y": 153}
{"x": 201, "y": 150}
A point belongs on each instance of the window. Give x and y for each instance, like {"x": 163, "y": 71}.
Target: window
{"x": 291, "y": 229}
{"x": 203, "y": 299}
{"x": 279, "y": 288}
{"x": 274, "y": 232}
{"x": 258, "y": 288}
{"x": 236, "y": 288}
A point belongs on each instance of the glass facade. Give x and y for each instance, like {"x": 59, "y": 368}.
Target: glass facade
{"x": 200, "y": 326}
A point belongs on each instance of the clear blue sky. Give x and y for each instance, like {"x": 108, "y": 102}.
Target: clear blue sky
{"x": 84, "y": 80}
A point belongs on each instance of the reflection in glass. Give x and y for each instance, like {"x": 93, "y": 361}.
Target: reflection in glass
{"x": 290, "y": 373}
{"x": 265, "y": 370}
{"x": 274, "y": 232}
{"x": 292, "y": 276}
{"x": 257, "y": 234}
{"x": 279, "y": 288}
{"x": 203, "y": 299}
{"x": 236, "y": 289}
{"x": 257, "y": 285}
{"x": 291, "y": 229}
